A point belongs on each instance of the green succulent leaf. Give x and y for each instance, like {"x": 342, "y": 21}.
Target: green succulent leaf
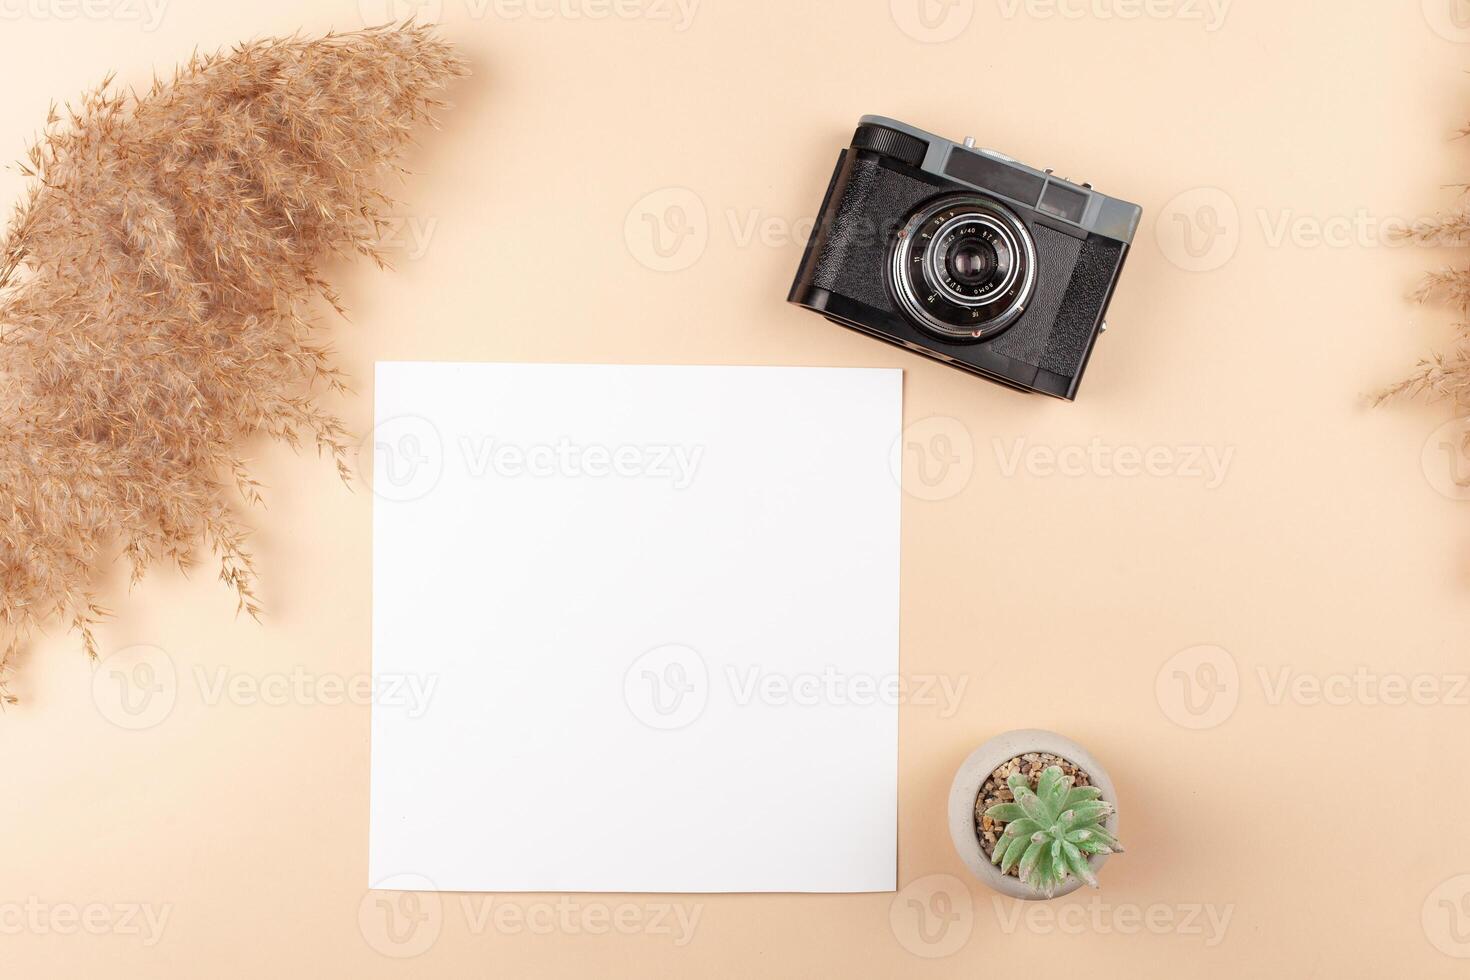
{"x": 1085, "y": 814}
{"x": 1026, "y": 870}
{"x": 1014, "y": 853}
{"x": 1006, "y": 812}
{"x": 1077, "y": 863}
{"x": 1032, "y": 805}
{"x": 1039, "y": 871}
{"x": 1103, "y": 837}
{"x": 1024, "y": 827}
{"x": 1080, "y": 794}
{"x": 1052, "y": 788}
{"x": 1047, "y": 874}
{"x": 1051, "y": 832}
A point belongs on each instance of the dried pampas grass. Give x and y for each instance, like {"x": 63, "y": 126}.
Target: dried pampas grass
{"x": 1442, "y": 377}
{"x": 156, "y": 293}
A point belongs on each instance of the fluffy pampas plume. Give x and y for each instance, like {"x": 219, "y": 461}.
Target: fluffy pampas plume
{"x": 1443, "y": 376}
{"x": 156, "y": 296}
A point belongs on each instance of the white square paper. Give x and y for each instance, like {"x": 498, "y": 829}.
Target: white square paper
{"x": 635, "y": 628}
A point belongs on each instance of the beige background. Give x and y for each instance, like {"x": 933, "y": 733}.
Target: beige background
{"x": 1321, "y": 822}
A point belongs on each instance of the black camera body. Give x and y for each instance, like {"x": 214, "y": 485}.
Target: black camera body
{"x": 965, "y": 256}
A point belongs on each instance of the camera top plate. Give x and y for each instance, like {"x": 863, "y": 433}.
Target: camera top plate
{"x": 1000, "y": 176}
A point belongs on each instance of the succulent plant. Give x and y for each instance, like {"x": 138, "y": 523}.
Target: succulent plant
{"x": 1050, "y": 833}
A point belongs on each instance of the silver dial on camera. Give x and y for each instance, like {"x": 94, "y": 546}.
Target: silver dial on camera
{"x": 963, "y": 267}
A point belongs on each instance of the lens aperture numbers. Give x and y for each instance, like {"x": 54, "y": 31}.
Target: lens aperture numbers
{"x": 963, "y": 267}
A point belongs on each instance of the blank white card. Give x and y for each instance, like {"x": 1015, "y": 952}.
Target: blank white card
{"x": 634, "y": 628}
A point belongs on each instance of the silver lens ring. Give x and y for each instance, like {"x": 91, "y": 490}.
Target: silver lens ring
{"x": 936, "y": 257}
{"x": 920, "y": 283}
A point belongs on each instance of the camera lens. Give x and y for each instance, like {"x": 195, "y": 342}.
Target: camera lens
{"x": 963, "y": 267}
{"x": 971, "y": 261}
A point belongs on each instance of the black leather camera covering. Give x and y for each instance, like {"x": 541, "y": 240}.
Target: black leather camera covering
{"x": 869, "y": 202}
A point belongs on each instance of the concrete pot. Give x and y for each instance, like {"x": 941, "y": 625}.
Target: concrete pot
{"x": 972, "y": 775}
